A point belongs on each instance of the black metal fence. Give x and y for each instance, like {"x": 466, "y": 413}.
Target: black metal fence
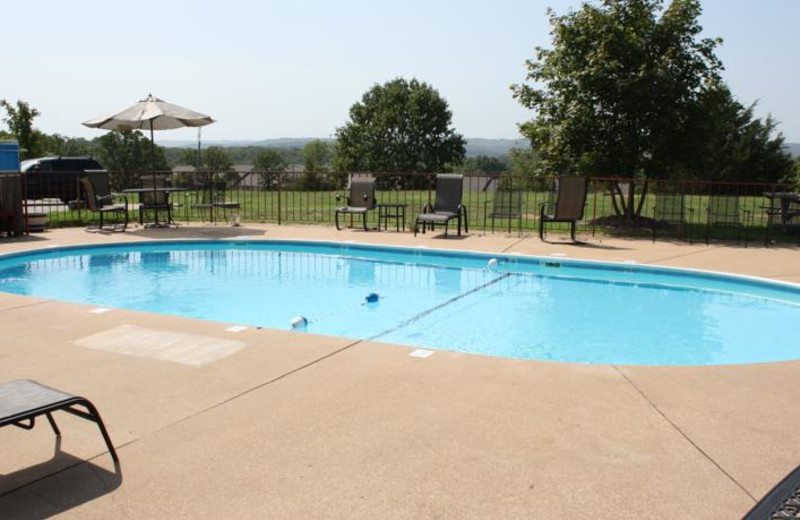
{"x": 660, "y": 209}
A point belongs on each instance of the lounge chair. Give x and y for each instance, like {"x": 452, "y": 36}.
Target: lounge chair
{"x": 25, "y": 400}
{"x": 569, "y": 205}
{"x": 100, "y": 199}
{"x": 360, "y": 200}
{"x": 506, "y": 204}
{"x": 448, "y": 206}
{"x": 783, "y": 501}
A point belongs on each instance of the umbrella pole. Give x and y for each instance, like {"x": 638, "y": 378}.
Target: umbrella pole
{"x": 153, "y": 170}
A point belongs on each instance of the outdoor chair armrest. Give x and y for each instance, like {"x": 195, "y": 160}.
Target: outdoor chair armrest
{"x": 111, "y": 196}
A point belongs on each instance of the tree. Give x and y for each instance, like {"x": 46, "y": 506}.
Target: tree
{"x": 731, "y": 145}
{"x": 19, "y": 119}
{"x": 216, "y": 159}
{"x": 268, "y": 161}
{"x": 127, "y": 155}
{"x": 316, "y": 156}
{"x": 400, "y": 126}
{"x": 615, "y": 94}
{"x": 57, "y": 144}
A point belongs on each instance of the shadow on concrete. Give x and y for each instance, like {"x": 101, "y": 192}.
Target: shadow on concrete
{"x": 196, "y": 232}
{"x": 586, "y": 245}
{"x": 38, "y": 237}
{"x": 55, "y": 486}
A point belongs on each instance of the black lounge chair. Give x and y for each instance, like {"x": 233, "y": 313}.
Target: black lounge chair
{"x": 783, "y": 501}
{"x": 360, "y": 200}
{"x": 23, "y": 400}
{"x": 448, "y": 206}
{"x": 569, "y": 204}
{"x": 100, "y": 199}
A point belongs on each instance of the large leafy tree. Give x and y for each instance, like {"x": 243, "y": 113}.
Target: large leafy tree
{"x": 616, "y": 93}
{"x": 400, "y": 126}
{"x": 19, "y": 119}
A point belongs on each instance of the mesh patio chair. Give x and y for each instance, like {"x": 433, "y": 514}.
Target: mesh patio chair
{"x": 360, "y": 200}
{"x": 569, "y": 205}
{"x": 23, "y": 400}
{"x": 154, "y": 201}
{"x": 724, "y": 211}
{"x": 669, "y": 211}
{"x": 448, "y": 205}
{"x": 100, "y": 199}
{"x": 506, "y": 204}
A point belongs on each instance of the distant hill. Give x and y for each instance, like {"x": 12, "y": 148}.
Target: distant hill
{"x": 794, "y": 149}
{"x": 475, "y": 146}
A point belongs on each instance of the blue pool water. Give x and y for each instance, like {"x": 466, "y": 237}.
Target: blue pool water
{"x": 531, "y": 308}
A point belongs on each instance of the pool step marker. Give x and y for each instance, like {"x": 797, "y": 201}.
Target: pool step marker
{"x": 99, "y": 310}
{"x": 421, "y": 353}
{"x": 237, "y": 328}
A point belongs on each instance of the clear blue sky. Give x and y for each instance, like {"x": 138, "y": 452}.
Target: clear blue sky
{"x": 293, "y": 69}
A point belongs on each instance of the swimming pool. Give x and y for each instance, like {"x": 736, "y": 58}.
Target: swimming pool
{"x": 524, "y": 307}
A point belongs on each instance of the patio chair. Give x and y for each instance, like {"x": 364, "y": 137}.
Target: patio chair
{"x": 569, "y": 205}
{"x": 100, "y": 199}
{"x": 724, "y": 211}
{"x": 23, "y": 400}
{"x": 448, "y": 205}
{"x": 506, "y": 204}
{"x": 669, "y": 211}
{"x": 782, "y": 501}
{"x": 154, "y": 200}
{"x": 360, "y": 200}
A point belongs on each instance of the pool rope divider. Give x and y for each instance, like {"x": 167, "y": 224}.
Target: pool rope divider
{"x": 427, "y": 312}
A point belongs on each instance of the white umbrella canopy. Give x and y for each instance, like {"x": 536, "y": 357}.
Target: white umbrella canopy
{"x": 151, "y": 114}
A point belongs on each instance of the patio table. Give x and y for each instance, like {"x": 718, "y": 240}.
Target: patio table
{"x": 788, "y": 208}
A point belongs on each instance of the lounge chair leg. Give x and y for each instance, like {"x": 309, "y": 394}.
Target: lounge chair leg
{"x": 572, "y": 231}
{"x": 53, "y": 424}
{"x": 365, "y": 221}
{"x": 336, "y": 219}
{"x": 94, "y": 416}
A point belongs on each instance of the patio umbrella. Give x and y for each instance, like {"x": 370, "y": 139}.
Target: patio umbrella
{"x": 153, "y": 114}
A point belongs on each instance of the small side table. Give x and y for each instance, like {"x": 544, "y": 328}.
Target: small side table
{"x": 391, "y": 211}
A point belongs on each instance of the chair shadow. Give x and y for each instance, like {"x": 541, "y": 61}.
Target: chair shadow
{"x": 198, "y": 232}
{"x": 55, "y": 486}
{"x": 588, "y": 245}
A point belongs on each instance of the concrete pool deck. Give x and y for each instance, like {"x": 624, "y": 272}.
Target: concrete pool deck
{"x": 309, "y": 426}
